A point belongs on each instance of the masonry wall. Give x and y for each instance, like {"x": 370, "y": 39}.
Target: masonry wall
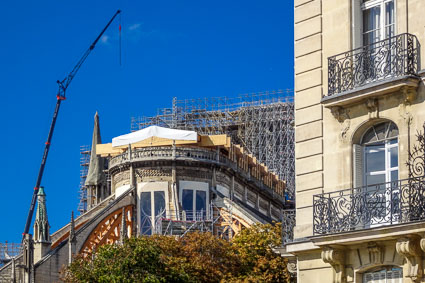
{"x": 308, "y": 110}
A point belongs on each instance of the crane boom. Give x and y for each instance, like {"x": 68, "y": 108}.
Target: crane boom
{"x": 63, "y": 85}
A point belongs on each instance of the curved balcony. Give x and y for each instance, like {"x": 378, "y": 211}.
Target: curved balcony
{"x": 188, "y": 154}
{"x": 168, "y": 153}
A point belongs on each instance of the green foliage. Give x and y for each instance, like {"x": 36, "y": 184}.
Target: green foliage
{"x": 197, "y": 257}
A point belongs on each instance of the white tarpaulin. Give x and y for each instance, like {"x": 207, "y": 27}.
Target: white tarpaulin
{"x": 154, "y": 131}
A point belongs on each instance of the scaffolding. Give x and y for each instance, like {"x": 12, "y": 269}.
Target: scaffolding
{"x": 84, "y": 169}
{"x": 263, "y": 123}
{"x": 8, "y": 251}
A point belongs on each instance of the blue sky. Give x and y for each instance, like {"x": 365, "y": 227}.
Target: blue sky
{"x": 170, "y": 48}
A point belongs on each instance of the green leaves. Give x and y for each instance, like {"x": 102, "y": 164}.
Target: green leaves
{"x": 197, "y": 257}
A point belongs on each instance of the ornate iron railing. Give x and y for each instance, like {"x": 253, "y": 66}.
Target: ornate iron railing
{"x": 390, "y": 58}
{"x": 396, "y": 202}
{"x": 288, "y": 225}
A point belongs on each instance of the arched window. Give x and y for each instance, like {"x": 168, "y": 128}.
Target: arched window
{"x": 390, "y": 274}
{"x": 376, "y": 157}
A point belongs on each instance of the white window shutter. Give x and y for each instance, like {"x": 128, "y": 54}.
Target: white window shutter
{"x": 358, "y": 164}
{"x": 356, "y": 24}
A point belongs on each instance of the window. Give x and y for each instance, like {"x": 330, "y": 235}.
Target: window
{"x": 373, "y": 21}
{"x": 375, "y": 170}
{"x": 386, "y": 275}
{"x": 380, "y": 154}
{"x": 194, "y": 199}
{"x": 152, "y": 207}
{"x": 378, "y": 20}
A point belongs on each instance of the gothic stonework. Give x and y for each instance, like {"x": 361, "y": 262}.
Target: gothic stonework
{"x": 163, "y": 172}
{"x": 336, "y": 258}
{"x": 410, "y": 249}
{"x": 122, "y": 176}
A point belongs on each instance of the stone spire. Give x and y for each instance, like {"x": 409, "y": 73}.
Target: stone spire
{"x": 41, "y": 223}
{"x": 95, "y": 176}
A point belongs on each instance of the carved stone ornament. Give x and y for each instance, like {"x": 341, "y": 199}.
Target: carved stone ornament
{"x": 410, "y": 249}
{"x": 341, "y": 114}
{"x": 336, "y": 258}
{"x": 407, "y": 96}
{"x": 372, "y": 107}
{"x": 376, "y": 255}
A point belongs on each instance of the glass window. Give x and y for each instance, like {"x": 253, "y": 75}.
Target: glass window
{"x": 187, "y": 200}
{"x": 195, "y": 200}
{"x": 378, "y": 20}
{"x": 146, "y": 213}
{"x": 152, "y": 201}
{"x": 386, "y": 275}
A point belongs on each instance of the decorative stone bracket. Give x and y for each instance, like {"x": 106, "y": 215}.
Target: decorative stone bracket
{"x": 372, "y": 107}
{"x": 336, "y": 258}
{"x": 341, "y": 114}
{"x": 410, "y": 249}
{"x": 407, "y": 96}
{"x": 376, "y": 255}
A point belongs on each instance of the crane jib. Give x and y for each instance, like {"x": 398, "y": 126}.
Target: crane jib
{"x": 63, "y": 85}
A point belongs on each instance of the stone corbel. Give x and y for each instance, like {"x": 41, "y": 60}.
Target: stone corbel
{"x": 341, "y": 114}
{"x": 410, "y": 249}
{"x": 372, "y": 107}
{"x": 407, "y": 96}
{"x": 336, "y": 258}
{"x": 376, "y": 254}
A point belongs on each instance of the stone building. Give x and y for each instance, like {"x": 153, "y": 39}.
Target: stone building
{"x": 359, "y": 99}
{"x": 153, "y": 181}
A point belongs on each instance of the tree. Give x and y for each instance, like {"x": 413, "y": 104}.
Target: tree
{"x": 196, "y": 257}
{"x": 259, "y": 262}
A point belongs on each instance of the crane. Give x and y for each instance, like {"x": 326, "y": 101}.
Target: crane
{"x": 63, "y": 85}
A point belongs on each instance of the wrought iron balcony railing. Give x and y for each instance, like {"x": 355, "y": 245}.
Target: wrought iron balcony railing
{"x": 288, "y": 225}
{"x": 390, "y": 58}
{"x": 396, "y": 202}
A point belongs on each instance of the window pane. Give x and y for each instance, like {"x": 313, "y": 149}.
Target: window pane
{"x": 389, "y": 13}
{"x": 187, "y": 200}
{"x": 374, "y": 179}
{"x": 145, "y": 211}
{"x": 371, "y": 25}
{"x": 394, "y": 156}
{"x": 201, "y": 202}
{"x": 394, "y": 175}
{"x": 375, "y": 158}
{"x": 159, "y": 198}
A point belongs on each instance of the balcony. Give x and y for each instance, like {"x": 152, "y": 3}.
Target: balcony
{"x": 396, "y": 202}
{"x": 394, "y": 58}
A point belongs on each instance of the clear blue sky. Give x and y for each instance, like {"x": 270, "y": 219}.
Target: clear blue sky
{"x": 181, "y": 48}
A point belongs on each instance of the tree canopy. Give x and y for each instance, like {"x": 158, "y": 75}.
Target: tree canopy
{"x": 196, "y": 257}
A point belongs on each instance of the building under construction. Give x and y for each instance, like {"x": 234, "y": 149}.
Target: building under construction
{"x": 260, "y": 122}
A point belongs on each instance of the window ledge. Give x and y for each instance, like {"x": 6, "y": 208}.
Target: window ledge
{"x": 371, "y": 90}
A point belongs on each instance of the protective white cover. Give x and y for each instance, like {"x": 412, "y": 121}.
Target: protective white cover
{"x": 154, "y": 131}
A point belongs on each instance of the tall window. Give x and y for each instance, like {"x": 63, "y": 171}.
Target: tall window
{"x": 378, "y": 20}
{"x": 376, "y": 157}
{"x": 194, "y": 199}
{"x": 152, "y": 206}
{"x": 380, "y": 154}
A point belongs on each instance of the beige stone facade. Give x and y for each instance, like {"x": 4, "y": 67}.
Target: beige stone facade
{"x": 333, "y": 115}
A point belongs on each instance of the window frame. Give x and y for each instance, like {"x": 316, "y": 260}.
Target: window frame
{"x": 194, "y": 186}
{"x": 145, "y": 188}
{"x": 357, "y": 9}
